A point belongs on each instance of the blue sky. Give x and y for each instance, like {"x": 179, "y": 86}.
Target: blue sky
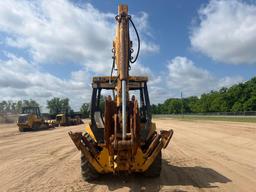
{"x": 53, "y": 48}
{"x": 171, "y": 22}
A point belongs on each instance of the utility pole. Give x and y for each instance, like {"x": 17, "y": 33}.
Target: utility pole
{"x": 182, "y": 112}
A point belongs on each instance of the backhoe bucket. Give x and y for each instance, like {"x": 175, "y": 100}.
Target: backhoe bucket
{"x": 104, "y": 162}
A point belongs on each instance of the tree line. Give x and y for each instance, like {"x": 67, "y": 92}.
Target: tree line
{"x": 55, "y": 105}
{"x": 15, "y": 106}
{"x": 238, "y": 98}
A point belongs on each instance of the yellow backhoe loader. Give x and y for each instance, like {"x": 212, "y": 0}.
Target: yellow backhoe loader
{"x": 122, "y": 138}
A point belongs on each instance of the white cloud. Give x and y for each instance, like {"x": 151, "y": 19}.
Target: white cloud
{"x": 182, "y": 75}
{"x": 143, "y": 27}
{"x": 55, "y": 32}
{"x": 138, "y": 69}
{"x": 185, "y": 76}
{"x": 26, "y": 82}
{"x": 226, "y": 31}
{"x": 149, "y": 47}
{"x": 58, "y": 32}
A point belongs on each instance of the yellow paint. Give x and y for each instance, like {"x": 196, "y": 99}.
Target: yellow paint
{"x": 31, "y": 119}
{"x": 104, "y": 160}
{"x": 89, "y": 131}
{"x": 151, "y": 159}
{"x": 103, "y": 163}
{"x": 139, "y": 160}
{"x": 96, "y": 166}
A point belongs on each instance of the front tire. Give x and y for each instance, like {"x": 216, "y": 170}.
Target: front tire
{"x": 21, "y": 129}
{"x": 155, "y": 168}
{"x": 87, "y": 171}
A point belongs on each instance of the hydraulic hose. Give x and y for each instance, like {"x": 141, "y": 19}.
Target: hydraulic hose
{"x": 138, "y": 38}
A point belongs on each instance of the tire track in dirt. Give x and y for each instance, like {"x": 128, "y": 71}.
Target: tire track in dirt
{"x": 202, "y": 156}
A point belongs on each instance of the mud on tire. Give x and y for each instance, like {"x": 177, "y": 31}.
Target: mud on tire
{"x": 87, "y": 171}
{"x": 155, "y": 168}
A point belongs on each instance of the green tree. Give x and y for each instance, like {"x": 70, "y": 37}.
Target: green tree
{"x": 85, "y": 110}
{"x": 2, "y": 106}
{"x": 240, "y": 97}
{"x": 193, "y": 105}
{"x": 18, "y": 106}
{"x": 29, "y": 103}
{"x": 237, "y": 107}
{"x": 15, "y": 106}
{"x": 205, "y": 103}
{"x": 57, "y": 105}
{"x": 175, "y": 106}
{"x": 250, "y": 104}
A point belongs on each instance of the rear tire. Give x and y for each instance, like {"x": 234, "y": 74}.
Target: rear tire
{"x": 87, "y": 171}
{"x": 155, "y": 168}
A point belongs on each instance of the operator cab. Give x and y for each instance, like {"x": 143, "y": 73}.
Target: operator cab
{"x": 31, "y": 110}
{"x": 101, "y": 85}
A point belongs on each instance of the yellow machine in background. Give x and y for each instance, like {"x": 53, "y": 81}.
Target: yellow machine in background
{"x": 65, "y": 120}
{"x": 30, "y": 119}
{"x": 121, "y": 137}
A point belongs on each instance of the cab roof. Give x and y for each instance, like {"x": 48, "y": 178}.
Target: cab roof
{"x": 107, "y": 82}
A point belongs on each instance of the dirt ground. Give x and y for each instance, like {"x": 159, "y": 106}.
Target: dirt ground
{"x": 202, "y": 156}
